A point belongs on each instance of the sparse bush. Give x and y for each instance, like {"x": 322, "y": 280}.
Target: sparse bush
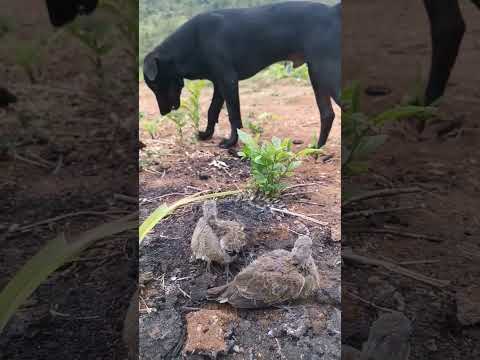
{"x": 361, "y": 135}
{"x": 191, "y": 106}
{"x": 28, "y": 56}
{"x": 180, "y": 120}
{"x": 95, "y": 36}
{"x": 271, "y": 162}
{"x": 151, "y": 126}
{"x": 255, "y": 128}
{"x": 282, "y": 71}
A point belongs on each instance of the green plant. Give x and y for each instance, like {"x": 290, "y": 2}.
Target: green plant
{"x": 191, "y": 106}
{"x": 151, "y": 128}
{"x": 126, "y": 12}
{"x": 28, "y": 56}
{"x": 361, "y": 133}
{"x": 281, "y": 71}
{"x": 255, "y": 128}
{"x": 271, "y": 162}
{"x": 179, "y": 119}
{"x": 94, "y": 35}
{"x": 4, "y": 26}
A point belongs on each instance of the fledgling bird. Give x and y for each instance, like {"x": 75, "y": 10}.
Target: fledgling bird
{"x": 216, "y": 240}
{"x": 272, "y": 279}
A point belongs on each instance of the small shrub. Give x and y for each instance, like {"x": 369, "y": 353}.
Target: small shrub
{"x": 95, "y": 36}
{"x": 255, "y": 128}
{"x": 151, "y": 126}
{"x": 271, "y": 162}
{"x": 281, "y": 71}
{"x": 192, "y": 105}
{"x": 180, "y": 120}
{"x": 361, "y": 135}
{"x": 28, "y": 56}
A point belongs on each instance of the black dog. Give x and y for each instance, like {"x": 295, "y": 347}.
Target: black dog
{"x": 225, "y": 46}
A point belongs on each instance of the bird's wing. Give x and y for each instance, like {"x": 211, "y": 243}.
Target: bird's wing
{"x": 205, "y": 242}
{"x": 270, "y": 279}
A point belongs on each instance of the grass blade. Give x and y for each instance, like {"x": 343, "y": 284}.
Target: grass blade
{"x": 164, "y": 210}
{"x": 54, "y": 254}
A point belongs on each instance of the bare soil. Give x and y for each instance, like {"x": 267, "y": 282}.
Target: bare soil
{"x": 173, "y": 169}
{"x": 61, "y": 145}
{"x": 445, "y": 168}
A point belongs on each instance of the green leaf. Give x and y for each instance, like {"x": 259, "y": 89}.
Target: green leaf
{"x": 51, "y": 256}
{"x": 404, "y": 112}
{"x": 368, "y": 145}
{"x": 309, "y": 151}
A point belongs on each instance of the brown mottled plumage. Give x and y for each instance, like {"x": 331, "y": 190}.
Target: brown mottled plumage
{"x": 272, "y": 279}
{"x": 216, "y": 240}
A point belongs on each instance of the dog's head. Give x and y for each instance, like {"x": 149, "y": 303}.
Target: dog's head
{"x": 163, "y": 79}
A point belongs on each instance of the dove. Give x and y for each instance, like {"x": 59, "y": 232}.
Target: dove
{"x": 216, "y": 240}
{"x": 274, "y": 278}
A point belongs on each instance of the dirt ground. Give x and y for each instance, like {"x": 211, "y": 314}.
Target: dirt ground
{"x": 61, "y": 145}
{"x": 444, "y": 167}
{"x": 179, "y": 284}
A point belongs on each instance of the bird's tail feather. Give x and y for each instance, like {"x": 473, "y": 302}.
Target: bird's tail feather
{"x": 215, "y": 292}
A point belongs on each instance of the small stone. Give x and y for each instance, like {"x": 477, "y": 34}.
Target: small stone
{"x": 207, "y": 330}
{"x": 431, "y": 345}
{"x": 237, "y": 349}
{"x": 297, "y": 142}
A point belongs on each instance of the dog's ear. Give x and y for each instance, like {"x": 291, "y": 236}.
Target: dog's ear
{"x": 150, "y": 67}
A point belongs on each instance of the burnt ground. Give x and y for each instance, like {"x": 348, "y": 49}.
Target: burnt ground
{"x": 444, "y": 167}
{"x": 181, "y": 283}
{"x": 61, "y": 146}
{"x": 172, "y": 169}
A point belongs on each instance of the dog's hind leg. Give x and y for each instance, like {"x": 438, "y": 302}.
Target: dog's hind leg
{"x": 213, "y": 113}
{"x": 325, "y": 86}
{"x": 447, "y": 28}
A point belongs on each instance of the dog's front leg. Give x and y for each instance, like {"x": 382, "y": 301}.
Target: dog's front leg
{"x": 213, "y": 113}
{"x": 229, "y": 88}
{"x": 447, "y": 29}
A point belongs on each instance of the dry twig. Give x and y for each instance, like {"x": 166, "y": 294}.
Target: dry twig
{"x": 301, "y": 216}
{"x": 348, "y": 254}
{"x": 381, "y": 193}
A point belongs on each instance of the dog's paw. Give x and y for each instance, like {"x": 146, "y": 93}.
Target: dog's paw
{"x": 227, "y": 143}
{"x": 204, "y": 135}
